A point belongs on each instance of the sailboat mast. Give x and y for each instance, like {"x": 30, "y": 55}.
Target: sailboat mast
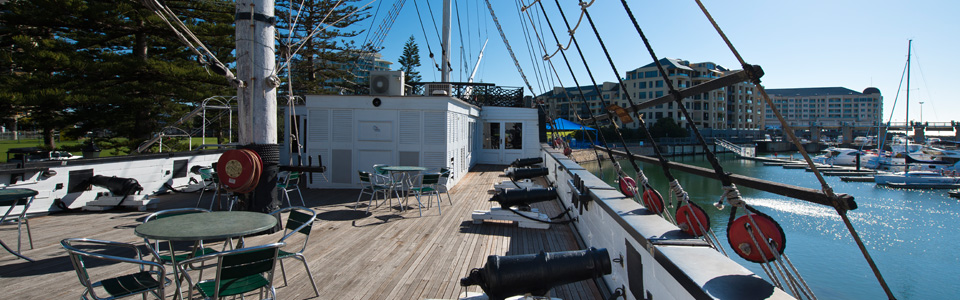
{"x": 906, "y": 128}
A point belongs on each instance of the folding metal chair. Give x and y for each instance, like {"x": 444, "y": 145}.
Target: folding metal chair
{"x": 296, "y": 229}
{"x": 140, "y": 282}
{"x": 238, "y": 272}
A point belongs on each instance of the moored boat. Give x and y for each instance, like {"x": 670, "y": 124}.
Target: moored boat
{"x": 917, "y": 179}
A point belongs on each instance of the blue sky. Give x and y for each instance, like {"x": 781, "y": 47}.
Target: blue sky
{"x": 815, "y": 43}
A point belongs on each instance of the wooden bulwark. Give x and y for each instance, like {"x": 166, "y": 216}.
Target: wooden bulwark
{"x": 386, "y": 255}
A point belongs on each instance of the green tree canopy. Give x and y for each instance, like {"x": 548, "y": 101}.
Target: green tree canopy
{"x": 323, "y": 55}
{"x": 108, "y": 66}
{"x": 667, "y": 127}
{"x": 409, "y": 61}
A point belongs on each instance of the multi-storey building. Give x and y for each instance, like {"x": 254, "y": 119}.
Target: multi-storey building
{"x": 359, "y": 69}
{"x": 732, "y": 107}
{"x": 826, "y": 106}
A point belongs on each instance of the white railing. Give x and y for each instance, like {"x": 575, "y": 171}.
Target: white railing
{"x": 652, "y": 258}
{"x": 740, "y": 150}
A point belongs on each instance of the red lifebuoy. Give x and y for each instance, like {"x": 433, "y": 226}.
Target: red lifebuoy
{"x": 627, "y": 186}
{"x": 692, "y": 219}
{"x": 653, "y": 201}
{"x": 740, "y": 230}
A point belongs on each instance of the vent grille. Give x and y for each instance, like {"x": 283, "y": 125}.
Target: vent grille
{"x": 343, "y": 126}
{"x": 319, "y": 130}
{"x": 410, "y": 127}
{"x": 434, "y": 127}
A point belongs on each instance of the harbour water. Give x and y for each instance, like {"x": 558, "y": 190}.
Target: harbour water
{"x": 910, "y": 233}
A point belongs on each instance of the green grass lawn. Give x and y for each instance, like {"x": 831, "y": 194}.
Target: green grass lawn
{"x": 25, "y": 143}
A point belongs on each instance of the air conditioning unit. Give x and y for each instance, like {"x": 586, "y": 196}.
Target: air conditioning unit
{"x": 386, "y": 83}
{"x": 438, "y": 89}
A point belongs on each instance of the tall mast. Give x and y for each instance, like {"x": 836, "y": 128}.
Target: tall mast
{"x": 255, "y": 66}
{"x": 909, "y": 46}
{"x": 257, "y": 99}
{"x": 445, "y": 52}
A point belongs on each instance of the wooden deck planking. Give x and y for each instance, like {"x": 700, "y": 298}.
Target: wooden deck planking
{"x": 385, "y": 255}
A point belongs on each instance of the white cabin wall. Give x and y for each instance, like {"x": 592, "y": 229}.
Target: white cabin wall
{"x": 351, "y": 134}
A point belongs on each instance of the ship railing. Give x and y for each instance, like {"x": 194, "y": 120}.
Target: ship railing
{"x": 651, "y": 260}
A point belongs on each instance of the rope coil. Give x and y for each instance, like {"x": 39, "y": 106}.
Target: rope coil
{"x": 732, "y": 195}
{"x": 678, "y": 191}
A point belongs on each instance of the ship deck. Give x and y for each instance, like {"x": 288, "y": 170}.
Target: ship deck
{"x": 353, "y": 255}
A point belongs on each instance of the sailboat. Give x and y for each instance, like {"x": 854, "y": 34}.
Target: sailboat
{"x": 902, "y": 150}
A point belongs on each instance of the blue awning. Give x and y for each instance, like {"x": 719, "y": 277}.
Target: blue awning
{"x": 564, "y": 124}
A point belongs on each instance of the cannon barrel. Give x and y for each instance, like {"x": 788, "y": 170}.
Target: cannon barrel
{"x": 116, "y": 185}
{"x": 515, "y": 197}
{"x": 523, "y": 162}
{"x": 506, "y": 276}
{"x": 524, "y": 173}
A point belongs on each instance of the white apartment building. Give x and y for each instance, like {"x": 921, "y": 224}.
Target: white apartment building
{"x": 732, "y": 107}
{"x": 826, "y": 106}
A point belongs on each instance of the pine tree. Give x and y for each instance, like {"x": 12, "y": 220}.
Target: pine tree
{"x": 409, "y": 61}
{"x": 321, "y": 63}
{"x": 108, "y": 66}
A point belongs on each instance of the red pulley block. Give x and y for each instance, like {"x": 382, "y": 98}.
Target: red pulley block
{"x": 739, "y": 231}
{"x": 692, "y": 219}
{"x": 627, "y": 186}
{"x": 567, "y": 151}
{"x": 653, "y": 201}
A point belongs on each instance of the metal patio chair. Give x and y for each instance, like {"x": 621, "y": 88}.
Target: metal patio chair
{"x": 442, "y": 185}
{"x": 297, "y": 227}
{"x": 289, "y": 182}
{"x": 373, "y": 184}
{"x": 427, "y": 186}
{"x": 238, "y": 272}
{"x": 175, "y": 255}
{"x": 84, "y": 251}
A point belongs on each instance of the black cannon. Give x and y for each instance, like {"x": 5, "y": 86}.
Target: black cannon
{"x": 525, "y": 173}
{"x": 117, "y": 186}
{"x": 536, "y": 274}
{"x": 523, "y": 162}
{"x": 524, "y": 197}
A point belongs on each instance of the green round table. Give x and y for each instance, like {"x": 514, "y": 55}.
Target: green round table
{"x": 206, "y": 226}
{"x": 12, "y": 198}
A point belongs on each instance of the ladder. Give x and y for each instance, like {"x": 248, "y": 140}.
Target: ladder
{"x": 742, "y": 151}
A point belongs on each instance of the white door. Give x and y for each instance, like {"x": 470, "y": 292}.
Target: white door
{"x": 502, "y": 142}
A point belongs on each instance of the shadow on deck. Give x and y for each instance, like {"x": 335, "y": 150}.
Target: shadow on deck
{"x": 353, "y": 255}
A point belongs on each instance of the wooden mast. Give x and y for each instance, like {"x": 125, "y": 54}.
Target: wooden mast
{"x": 257, "y": 98}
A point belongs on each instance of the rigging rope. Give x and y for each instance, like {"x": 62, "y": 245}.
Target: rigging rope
{"x": 568, "y": 96}
{"x": 731, "y": 192}
{"x": 613, "y": 160}
{"x": 839, "y": 206}
{"x": 571, "y": 32}
{"x": 642, "y": 124}
{"x": 505, "y": 42}
{"x": 530, "y": 51}
{"x": 204, "y": 55}
{"x": 318, "y": 29}
{"x": 426, "y": 39}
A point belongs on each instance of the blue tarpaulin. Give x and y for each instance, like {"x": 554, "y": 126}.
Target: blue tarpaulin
{"x": 564, "y": 124}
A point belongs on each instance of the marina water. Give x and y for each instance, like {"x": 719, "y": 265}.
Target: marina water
{"x": 910, "y": 233}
